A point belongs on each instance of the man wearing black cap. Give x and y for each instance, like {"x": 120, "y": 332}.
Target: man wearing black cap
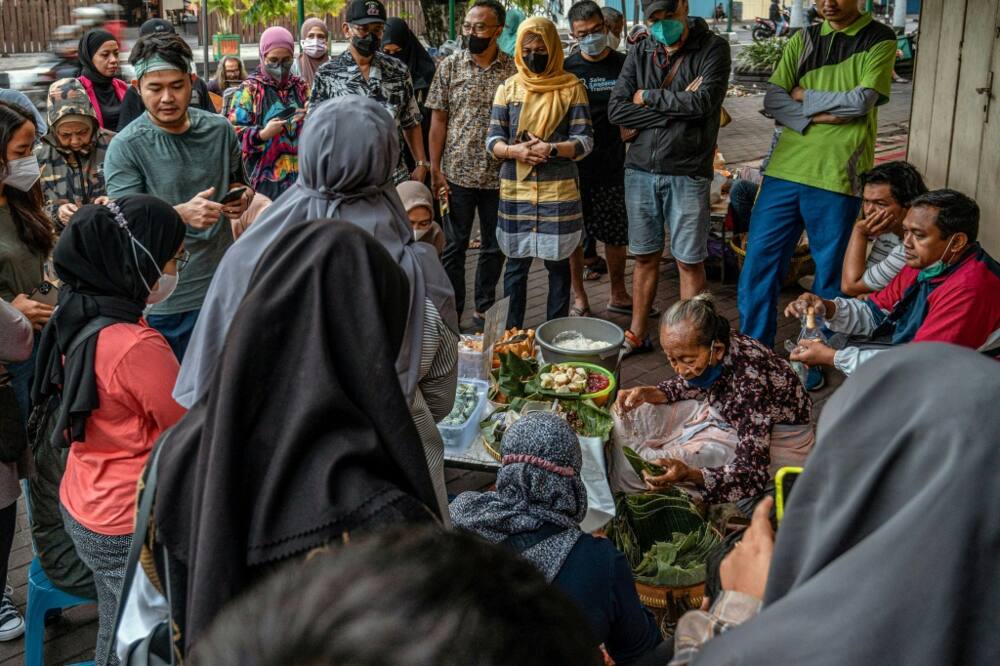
{"x": 670, "y": 90}
{"x": 364, "y": 70}
{"x": 132, "y": 106}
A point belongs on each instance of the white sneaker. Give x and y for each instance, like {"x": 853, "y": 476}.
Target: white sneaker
{"x": 11, "y": 622}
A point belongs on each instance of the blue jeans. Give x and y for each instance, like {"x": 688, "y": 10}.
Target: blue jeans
{"x": 465, "y": 202}
{"x": 515, "y": 285}
{"x": 783, "y": 208}
{"x": 176, "y": 328}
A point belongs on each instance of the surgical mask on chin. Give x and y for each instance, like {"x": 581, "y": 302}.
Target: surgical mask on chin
{"x": 314, "y": 48}
{"x": 614, "y": 41}
{"x": 162, "y": 290}
{"x": 708, "y": 377}
{"x": 365, "y": 46}
{"x": 420, "y": 233}
{"x": 593, "y": 45}
{"x": 22, "y": 173}
{"x": 937, "y": 267}
{"x": 278, "y": 72}
{"x": 667, "y": 32}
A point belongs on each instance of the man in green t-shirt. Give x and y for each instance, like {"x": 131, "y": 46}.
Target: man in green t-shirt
{"x": 824, "y": 95}
{"x": 188, "y": 157}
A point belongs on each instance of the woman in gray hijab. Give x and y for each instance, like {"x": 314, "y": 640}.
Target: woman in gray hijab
{"x": 889, "y": 549}
{"x": 536, "y": 511}
{"x": 347, "y": 154}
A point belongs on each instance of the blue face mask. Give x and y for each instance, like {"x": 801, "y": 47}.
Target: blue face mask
{"x": 708, "y": 377}
{"x": 668, "y": 31}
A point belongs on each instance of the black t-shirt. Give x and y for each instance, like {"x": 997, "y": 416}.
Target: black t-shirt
{"x": 607, "y": 161}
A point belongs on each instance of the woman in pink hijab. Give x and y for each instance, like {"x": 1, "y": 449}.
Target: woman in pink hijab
{"x": 315, "y": 49}
{"x": 267, "y": 112}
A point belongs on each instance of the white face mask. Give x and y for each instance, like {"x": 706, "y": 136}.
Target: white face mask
{"x": 613, "y": 41}
{"x": 22, "y": 173}
{"x": 420, "y": 233}
{"x": 162, "y": 289}
{"x": 314, "y": 48}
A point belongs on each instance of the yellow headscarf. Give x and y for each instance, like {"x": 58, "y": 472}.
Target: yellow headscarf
{"x": 549, "y": 94}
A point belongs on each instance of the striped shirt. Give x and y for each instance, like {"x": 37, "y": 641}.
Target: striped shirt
{"x": 435, "y": 394}
{"x": 540, "y": 216}
{"x": 886, "y": 259}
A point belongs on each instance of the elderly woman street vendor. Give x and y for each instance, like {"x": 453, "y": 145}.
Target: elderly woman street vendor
{"x": 536, "y": 511}
{"x": 731, "y": 395}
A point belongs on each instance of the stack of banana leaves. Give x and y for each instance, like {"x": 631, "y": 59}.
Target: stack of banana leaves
{"x": 664, "y": 537}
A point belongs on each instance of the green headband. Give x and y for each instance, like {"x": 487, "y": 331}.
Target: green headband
{"x": 155, "y": 63}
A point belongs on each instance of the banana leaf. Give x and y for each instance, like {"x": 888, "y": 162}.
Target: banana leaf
{"x": 640, "y": 464}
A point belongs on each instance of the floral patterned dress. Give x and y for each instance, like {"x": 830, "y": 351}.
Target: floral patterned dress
{"x": 756, "y": 391}
{"x": 273, "y": 165}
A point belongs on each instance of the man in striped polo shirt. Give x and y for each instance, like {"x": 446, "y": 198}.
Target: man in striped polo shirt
{"x": 824, "y": 93}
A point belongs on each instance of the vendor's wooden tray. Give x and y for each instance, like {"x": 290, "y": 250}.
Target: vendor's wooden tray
{"x": 668, "y": 604}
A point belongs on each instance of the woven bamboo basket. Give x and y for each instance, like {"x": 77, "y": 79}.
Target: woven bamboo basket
{"x": 802, "y": 263}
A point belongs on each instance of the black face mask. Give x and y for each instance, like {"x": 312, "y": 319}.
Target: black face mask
{"x": 366, "y": 46}
{"x": 537, "y": 62}
{"x": 477, "y": 45}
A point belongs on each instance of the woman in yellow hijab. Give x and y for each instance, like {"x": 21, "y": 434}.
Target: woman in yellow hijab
{"x": 539, "y": 128}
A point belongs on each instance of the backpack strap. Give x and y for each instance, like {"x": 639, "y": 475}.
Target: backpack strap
{"x": 92, "y": 327}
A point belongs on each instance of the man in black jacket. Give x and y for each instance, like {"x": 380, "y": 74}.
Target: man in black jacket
{"x": 671, "y": 90}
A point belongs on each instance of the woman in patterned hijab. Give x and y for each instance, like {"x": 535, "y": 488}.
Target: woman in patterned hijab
{"x": 538, "y": 488}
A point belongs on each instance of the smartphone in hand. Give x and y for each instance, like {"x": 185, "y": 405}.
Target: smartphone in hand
{"x": 232, "y": 196}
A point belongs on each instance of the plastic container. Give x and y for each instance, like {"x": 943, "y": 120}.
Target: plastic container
{"x": 599, "y": 397}
{"x": 471, "y": 364}
{"x": 595, "y": 329}
{"x": 458, "y": 438}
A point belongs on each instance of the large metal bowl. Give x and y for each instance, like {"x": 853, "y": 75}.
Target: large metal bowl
{"x": 595, "y": 329}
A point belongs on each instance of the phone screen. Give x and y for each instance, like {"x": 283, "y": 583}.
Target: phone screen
{"x": 784, "y": 480}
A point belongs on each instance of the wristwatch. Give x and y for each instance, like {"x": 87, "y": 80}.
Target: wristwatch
{"x": 553, "y": 150}
{"x": 421, "y": 163}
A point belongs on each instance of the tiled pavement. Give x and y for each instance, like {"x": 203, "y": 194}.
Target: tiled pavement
{"x": 71, "y": 638}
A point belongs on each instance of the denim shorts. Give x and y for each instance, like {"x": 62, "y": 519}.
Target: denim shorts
{"x": 679, "y": 203}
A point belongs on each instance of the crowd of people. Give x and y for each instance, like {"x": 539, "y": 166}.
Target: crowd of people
{"x": 243, "y": 296}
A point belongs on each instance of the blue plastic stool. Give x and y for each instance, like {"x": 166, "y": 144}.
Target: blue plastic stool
{"x": 43, "y": 596}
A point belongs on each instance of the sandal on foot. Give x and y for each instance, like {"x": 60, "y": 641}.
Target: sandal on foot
{"x": 577, "y": 311}
{"x": 627, "y": 310}
{"x": 635, "y": 346}
{"x": 590, "y": 275}
{"x": 598, "y": 265}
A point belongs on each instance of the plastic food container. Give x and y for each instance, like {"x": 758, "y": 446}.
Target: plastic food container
{"x": 599, "y": 398}
{"x": 471, "y": 363}
{"x": 595, "y": 329}
{"x": 457, "y": 438}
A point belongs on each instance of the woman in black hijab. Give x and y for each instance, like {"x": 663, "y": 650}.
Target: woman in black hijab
{"x": 311, "y": 446}
{"x": 115, "y": 382}
{"x": 889, "y": 547}
{"x": 98, "y": 55}
{"x": 400, "y": 43}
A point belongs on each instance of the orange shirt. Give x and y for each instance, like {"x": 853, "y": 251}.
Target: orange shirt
{"x": 136, "y": 372}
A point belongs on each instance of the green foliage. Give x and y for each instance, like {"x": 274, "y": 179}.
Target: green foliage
{"x": 679, "y": 562}
{"x": 321, "y": 8}
{"x": 224, "y": 10}
{"x": 762, "y": 56}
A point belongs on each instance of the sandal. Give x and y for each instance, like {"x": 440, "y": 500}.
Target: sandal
{"x": 627, "y": 310}
{"x": 475, "y": 244}
{"x": 634, "y": 346}
{"x": 598, "y": 265}
{"x": 591, "y": 275}
{"x": 577, "y": 311}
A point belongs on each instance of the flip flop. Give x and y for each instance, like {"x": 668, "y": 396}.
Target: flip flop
{"x": 590, "y": 275}
{"x": 634, "y": 346}
{"x": 598, "y": 266}
{"x": 627, "y": 310}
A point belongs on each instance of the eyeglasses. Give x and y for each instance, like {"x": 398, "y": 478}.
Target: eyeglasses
{"x": 477, "y": 28}
{"x": 182, "y": 259}
{"x": 369, "y": 29}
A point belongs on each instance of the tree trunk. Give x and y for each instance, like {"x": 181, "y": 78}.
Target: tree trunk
{"x": 436, "y": 20}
